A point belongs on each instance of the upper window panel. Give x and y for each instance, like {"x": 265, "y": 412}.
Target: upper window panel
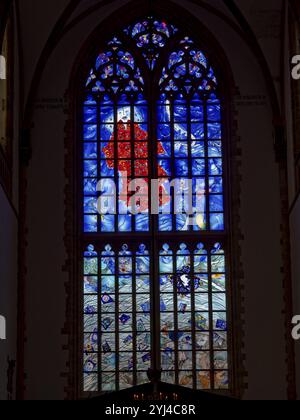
{"x": 115, "y": 133}
{"x": 186, "y": 130}
{"x": 189, "y": 151}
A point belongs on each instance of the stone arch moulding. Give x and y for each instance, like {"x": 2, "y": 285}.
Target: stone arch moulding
{"x": 202, "y": 36}
{"x": 64, "y": 25}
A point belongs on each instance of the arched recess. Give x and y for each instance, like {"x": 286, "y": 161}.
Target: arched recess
{"x": 56, "y": 36}
{"x": 204, "y": 40}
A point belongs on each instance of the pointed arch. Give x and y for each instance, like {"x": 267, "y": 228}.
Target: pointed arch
{"x": 152, "y": 239}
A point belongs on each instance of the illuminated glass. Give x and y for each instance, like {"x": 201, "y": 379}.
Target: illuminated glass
{"x": 126, "y": 142}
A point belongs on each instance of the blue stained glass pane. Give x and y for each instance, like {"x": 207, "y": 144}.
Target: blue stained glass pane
{"x": 180, "y": 132}
{"x": 109, "y": 362}
{"x": 107, "y": 114}
{"x": 219, "y": 302}
{"x": 125, "y": 302}
{"x": 164, "y": 150}
{"x": 215, "y": 149}
{"x": 103, "y": 59}
{"x": 108, "y": 303}
{"x": 90, "y": 114}
{"x": 217, "y": 250}
{"x": 91, "y": 266}
{"x": 165, "y": 223}
{"x": 202, "y": 321}
{"x": 126, "y": 58}
{"x": 124, "y": 114}
{"x": 166, "y": 264}
{"x": 108, "y": 284}
{"x": 125, "y": 223}
{"x": 124, "y": 100}
{"x": 197, "y": 113}
{"x": 198, "y": 149}
{"x": 90, "y": 305}
{"x": 90, "y": 363}
{"x": 90, "y": 187}
{"x": 108, "y": 266}
{"x": 90, "y": 224}
{"x": 90, "y": 168}
{"x": 125, "y": 284}
{"x": 183, "y": 261}
{"x": 199, "y": 57}
{"x": 90, "y": 101}
{"x": 216, "y": 203}
{"x": 182, "y": 204}
{"x": 220, "y": 321}
{"x": 90, "y": 285}
{"x": 90, "y": 205}
{"x": 140, "y": 100}
{"x": 142, "y": 251}
{"x": 106, "y": 168}
{"x": 181, "y": 149}
{"x": 201, "y": 301}
{"x": 108, "y": 323}
{"x": 219, "y": 282}
{"x": 182, "y": 167}
{"x": 143, "y": 284}
{"x": 216, "y": 185}
{"x": 199, "y": 167}
{"x": 144, "y": 304}
{"x": 199, "y": 203}
{"x": 90, "y": 323}
{"x": 215, "y": 167}
{"x": 217, "y": 221}
{"x": 214, "y": 131}
{"x": 163, "y": 114}
{"x": 106, "y": 132}
{"x": 164, "y": 167}
{"x": 140, "y": 114}
{"x": 90, "y": 151}
{"x": 198, "y": 131}
{"x": 90, "y": 252}
{"x": 175, "y": 58}
{"x": 214, "y": 112}
{"x": 182, "y": 222}
{"x": 199, "y": 186}
{"x": 142, "y": 223}
{"x": 108, "y": 223}
{"x": 213, "y": 99}
{"x": 180, "y": 113}
{"x": 90, "y": 132}
{"x": 164, "y": 132}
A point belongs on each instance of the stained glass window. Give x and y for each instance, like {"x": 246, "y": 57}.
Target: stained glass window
{"x": 189, "y": 134}
{"x": 154, "y": 281}
{"x": 115, "y": 134}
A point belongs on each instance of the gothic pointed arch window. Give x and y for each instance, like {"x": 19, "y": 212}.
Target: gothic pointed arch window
{"x": 155, "y": 263}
